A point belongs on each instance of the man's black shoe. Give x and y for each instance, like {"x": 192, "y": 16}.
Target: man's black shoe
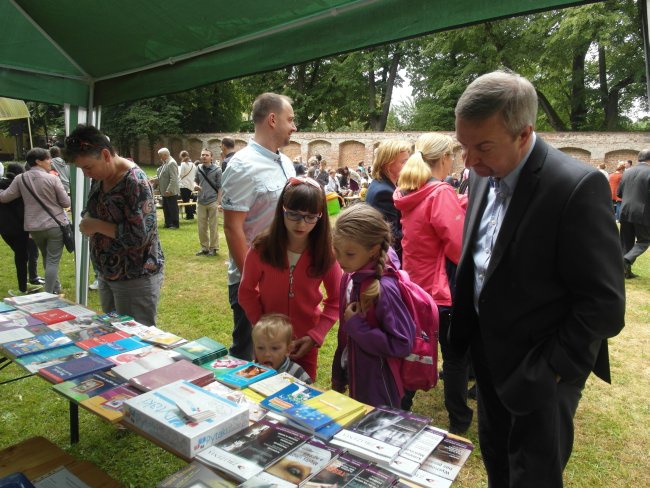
{"x": 627, "y": 267}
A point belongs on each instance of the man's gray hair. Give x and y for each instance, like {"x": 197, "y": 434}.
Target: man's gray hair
{"x": 644, "y": 155}
{"x": 163, "y": 150}
{"x": 506, "y": 93}
{"x": 267, "y": 103}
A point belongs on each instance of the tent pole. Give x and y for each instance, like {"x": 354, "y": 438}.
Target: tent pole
{"x": 29, "y": 129}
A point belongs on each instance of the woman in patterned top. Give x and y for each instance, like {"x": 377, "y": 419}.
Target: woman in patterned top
{"x": 120, "y": 220}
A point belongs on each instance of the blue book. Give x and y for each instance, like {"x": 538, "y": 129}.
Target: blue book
{"x": 39, "y": 343}
{"x": 289, "y": 396}
{"x": 316, "y": 413}
{"x": 36, "y": 361}
{"x": 246, "y": 375}
{"x": 5, "y": 307}
{"x": 118, "y": 347}
{"x": 15, "y": 480}
{"x": 75, "y": 368}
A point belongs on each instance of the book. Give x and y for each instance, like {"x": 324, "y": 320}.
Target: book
{"x": 102, "y": 339}
{"x": 178, "y": 370}
{"x": 241, "y": 397}
{"x": 142, "y": 361}
{"x": 132, "y": 327}
{"x": 327, "y": 433}
{"x": 321, "y": 410}
{"x": 71, "y": 326}
{"x": 162, "y": 339}
{"x": 445, "y": 461}
{"x": 25, "y": 320}
{"x": 411, "y": 457}
{"x": 13, "y": 315}
{"x": 250, "y": 451}
{"x": 83, "y": 334}
{"x": 245, "y": 375}
{"x": 291, "y": 395}
{"x": 75, "y": 368}
{"x": 108, "y": 404}
{"x": 202, "y": 350}
{"x": 380, "y": 435}
{"x": 37, "y": 343}
{"x": 266, "y": 480}
{"x": 339, "y": 472}
{"x": 13, "y": 335}
{"x": 129, "y": 356}
{"x": 59, "y": 477}
{"x": 117, "y": 347}
{"x": 45, "y": 305}
{"x": 79, "y": 311}
{"x": 36, "y": 361}
{"x": 156, "y": 413}
{"x": 273, "y": 384}
{"x": 111, "y": 317}
{"x": 373, "y": 477}
{"x": 38, "y": 329}
{"x": 31, "y": 298}
{"x": 15, "y": 480}
{"x": 223, "y": 365}
{"x": 5, "y": 307}
{"x": 53, "y": 316}
{"x": 87, "y": 386}
{"x": 196, "y": 475}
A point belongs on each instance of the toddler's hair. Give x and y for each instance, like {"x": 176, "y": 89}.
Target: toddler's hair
{"x": 273, "y": 326}
{"x": 366, "y": 226}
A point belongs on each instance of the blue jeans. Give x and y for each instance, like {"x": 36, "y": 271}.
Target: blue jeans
{"x": 50, "y": 243}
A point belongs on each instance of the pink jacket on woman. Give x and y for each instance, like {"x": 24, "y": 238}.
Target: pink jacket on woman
{"x": 432, "y": 227}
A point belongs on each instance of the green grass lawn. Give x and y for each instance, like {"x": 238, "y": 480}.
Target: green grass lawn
{"x": 612, "y": 433}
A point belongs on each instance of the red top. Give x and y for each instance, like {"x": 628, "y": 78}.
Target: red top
{"x": 614, "y": 181}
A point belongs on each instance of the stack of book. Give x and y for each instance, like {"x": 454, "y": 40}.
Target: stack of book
{"x": 163, "y": 339}
{"x": 34, "y": 344}
{"x": 178, "y": 370}
{"x": 202, "y": 350}
{"x": 442, "y": 466}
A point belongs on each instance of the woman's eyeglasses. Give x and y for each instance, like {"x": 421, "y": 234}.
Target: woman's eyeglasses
{"x": 297, "y": 216}
{"x": 83, "y": 145}
{"x": 303, "y": 180}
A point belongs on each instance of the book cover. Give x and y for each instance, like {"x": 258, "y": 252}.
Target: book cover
{"x": 83, "y": 334}
{"x": 223, "y": 365}
{"x": 117, "y": 347}
{"x": 339, "y": 472}
{"x": 13, "y": 315}
{"x": 178, "y": 370}
{"x": 411, "y": 457}
{"x": 15, "y": 480}
{"x": 250, "y": 451}
{"x": 79, "y": 311}
{"x": 71, "y": 326}
{"x": 5, "y": 307}
{"x": 111, "y": 317}
{"x": 303, "y": 462}
{"x": 132, "y": 327}
{"x": 245, "y": 375}
{"x": 88, "y": 385}
{"x": 196, "y": 475}
{"x": 240, "y": 397}
{"x": 380, "y": 435}
{"x": 163, "y": 339}
{"x": 448, "y": 457}
{"x": 102, "y": 339}
{"x": 31, "y": 298}
{"x": 266, "y": 480}
{"x": 157, "y": 414}
{"x": 108, "y": 404}
{"x": 45, "y": 305}
{"x": 39, "y": 329}
{"x": 36, "y": 361}
{"x": 202, "y": 350}
{"x": 290, "y": 396}
{"x": 75, "y": 368}
{"x": 59, "y": 477}
{"x": 38, "y": 343}
{"x": 9, "y": 336}
{"x": 20, "y": 321}
{"x": 373, "y": 477}
{"x": 141, "y": 361}
{"x": 129, "y": 356}
{"x": 273, "y": 384}
{"x": 329, "y": 431}
{"x": 53, "y": 316}
{"x": 321, "y": 410}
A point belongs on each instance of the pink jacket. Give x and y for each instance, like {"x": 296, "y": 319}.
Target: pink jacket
{"x": 432, "y": 224}
{"x": 264, "y": 289}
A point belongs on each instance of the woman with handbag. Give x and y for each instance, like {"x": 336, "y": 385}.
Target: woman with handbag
{"x": 45, "y": 202}
{"x": 120, "y": 222}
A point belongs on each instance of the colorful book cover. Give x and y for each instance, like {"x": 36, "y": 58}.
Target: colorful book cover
{"x": 53, "y": 316}
{"x": 132, "y": 327}
{"x": 142, "y": 361}
{"x": 448, "y": 457}
{"x": 249, "y": 452}
{"x": 323, "y": 409}
{"x": 245, "y": 397}
{"x": 102, "y": 339}
{"x": 373, "y": 477}
{"x": 108, "y": 404}
{"x": 129, "y": 356}
{"x": 75, "y": 368}
{"x": 305, "y": 461}
{"x": 109, "y": 318}
{"x": 39, "y": 329}
{"x": 246, "y": 375}
{"x": 8, "y": 336}
{"x": 79, "y": 311}
{"x": 178, "y": 370}
{"x": 45, "y": 305}
{"x": 83, "y": 334}
{"x": 273, "y": 384}
{"x": 196, "y": 475}
{"x": 36, "y": 361}
{"x": 31, "y": 298}
{"x": 37, "y": 343}
{"x": 290, "y": 396}
{"x": 202, "y": 350}
{"x": 13, "y": 315}
{"x": 223, "y": 365}
{"x": 162, "y": 338}
{"x": 330, "y": 430}
{"x": 339, "y": 472}
{"x": 5, "y": 307}
{"x": 87, "y": 386}
{"x": 71, "y": 326}
{"x": 118, "y": 347}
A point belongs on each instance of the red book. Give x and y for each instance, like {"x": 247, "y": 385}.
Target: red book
{"x": 102, "y": 339}
{"x": 53, "y": 316}
{"x": 180, "y": 370}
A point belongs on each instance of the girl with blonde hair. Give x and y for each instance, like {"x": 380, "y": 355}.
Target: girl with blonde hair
{"x": 432, "y": 223}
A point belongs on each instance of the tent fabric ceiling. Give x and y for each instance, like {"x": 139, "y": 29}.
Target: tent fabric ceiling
{"x": 11, "y": 109}
{"x": 111, "y": 51}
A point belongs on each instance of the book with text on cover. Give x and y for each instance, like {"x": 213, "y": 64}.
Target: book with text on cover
{"x": 141, "y": 361}
{"x": 102, "y": 339}
{"x": 411, "y": 457}
{"x": 373, "y": 477}
{"x": 38, "y": 343}
{"x": 88, "y": 333}
{"x": 178, "y": 370}
{"x": 36, "y": 361}
{"x": 118, "y": 347}
{"x": 108, "y": 404}
{"x": 445, "y": 461}
{"x": 250, "y": 451}
{"x": 75, "y": 368}
{"x": 339, "y": 472}
{"x": 162, "y": 339}
{"x": 71, "y": 326}
{"x": 53, "y": 316}
{"x": 273, "y": 384}
{"x": 291, "y": 395}
{"x": 202, "y": 350}
{"x": 31, "y": 298}
{"x": 45, "y": 305}
{"x": 323, "y": 409}
{"x": 196, "y": 475}
{"x": 87, "y": 386}
{"x": 157, "y": 414}
{"x": 245, "y": 375}
{"x": 13, "y": 335}
{"x": 132, "y": 327}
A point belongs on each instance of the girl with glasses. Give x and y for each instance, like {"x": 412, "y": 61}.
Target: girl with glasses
{"x": 286, "y": 266}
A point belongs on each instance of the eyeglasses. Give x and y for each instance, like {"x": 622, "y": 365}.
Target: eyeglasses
{"x": 83, "y": 145}
{"x": 303, "y": 180}
{"x": 297, "y": 216}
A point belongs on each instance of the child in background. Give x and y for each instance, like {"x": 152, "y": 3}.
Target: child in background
{"x": 272, "y": 337}
{"x": 286, "y": 266}
{"x": 374, "y": 325}
{"x": 364, "y": 190}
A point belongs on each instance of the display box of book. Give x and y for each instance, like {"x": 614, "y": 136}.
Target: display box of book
{"x": 158, "y": 414}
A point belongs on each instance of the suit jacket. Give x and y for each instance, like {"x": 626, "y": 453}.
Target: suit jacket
{"x": 168, "y": 178}
{"x": 635, "y": 192}
{"x": 554, "y": 289}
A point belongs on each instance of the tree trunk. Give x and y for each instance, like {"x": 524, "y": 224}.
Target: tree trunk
{"x": 388, "y": 94}
{"x": 553, "y": 117}
{"x": 578, "y": 114}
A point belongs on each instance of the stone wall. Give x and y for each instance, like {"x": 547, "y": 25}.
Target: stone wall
{"x": 348, "y": 148}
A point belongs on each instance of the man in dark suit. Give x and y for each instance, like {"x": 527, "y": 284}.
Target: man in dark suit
{"x": 634, "y": 191}
{"x": 539, "y": 287}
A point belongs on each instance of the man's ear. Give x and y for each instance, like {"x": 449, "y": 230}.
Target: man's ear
{"x": 525, "y": 133}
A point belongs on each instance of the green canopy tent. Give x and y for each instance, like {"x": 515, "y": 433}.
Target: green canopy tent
{"x": 11, "y": 109}
{"x": 86, "y": 54}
